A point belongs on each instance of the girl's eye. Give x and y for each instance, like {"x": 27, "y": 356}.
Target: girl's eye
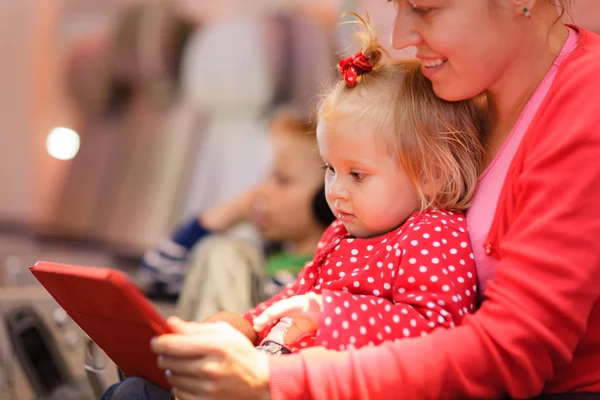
{"x": 359, "y": 176}
{"x": 328, "y": 168}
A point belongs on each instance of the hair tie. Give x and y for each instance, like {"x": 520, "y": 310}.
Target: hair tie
{"x": 354, "y": 65}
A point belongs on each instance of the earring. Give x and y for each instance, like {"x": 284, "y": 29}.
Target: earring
{"x": 526, "y": 13}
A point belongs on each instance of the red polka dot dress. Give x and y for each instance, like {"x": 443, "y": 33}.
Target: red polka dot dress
{"x": 401, "y": 284}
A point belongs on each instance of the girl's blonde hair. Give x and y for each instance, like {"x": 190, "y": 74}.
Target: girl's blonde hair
{"x": 437, "y": 142}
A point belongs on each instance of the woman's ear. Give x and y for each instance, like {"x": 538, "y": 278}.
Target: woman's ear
{"x": 524, "y": 7}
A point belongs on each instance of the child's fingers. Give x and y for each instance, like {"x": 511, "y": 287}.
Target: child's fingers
{"x": 279, "y": 310}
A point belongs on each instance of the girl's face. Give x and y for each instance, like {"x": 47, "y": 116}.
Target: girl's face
{"x": 367, "y": 190}
{"x": 466, "y": 46}
{"x": 283, "y": 209}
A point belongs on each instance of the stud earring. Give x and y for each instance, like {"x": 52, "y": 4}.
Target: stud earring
{"x": 526, "y": 13}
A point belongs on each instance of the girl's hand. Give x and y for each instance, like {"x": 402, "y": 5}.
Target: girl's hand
{"x": 212, "y": 360}
{"x": 305, "y": 311}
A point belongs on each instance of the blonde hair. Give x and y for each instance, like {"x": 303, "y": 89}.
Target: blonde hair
{"x": 437, "y": 142}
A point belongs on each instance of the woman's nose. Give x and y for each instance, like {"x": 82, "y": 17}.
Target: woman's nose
{"x": 404, "y": 34}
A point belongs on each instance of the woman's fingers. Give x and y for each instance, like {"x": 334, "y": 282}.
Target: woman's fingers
{"x": 301, "y": 326}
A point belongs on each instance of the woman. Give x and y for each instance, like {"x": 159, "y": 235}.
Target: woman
{"x": 538, "y": 329}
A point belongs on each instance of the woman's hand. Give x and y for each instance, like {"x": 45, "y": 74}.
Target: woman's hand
{"x": 237, "y": 321}
{"x": 305, "y": 311}
{"x": 212, "y": 361}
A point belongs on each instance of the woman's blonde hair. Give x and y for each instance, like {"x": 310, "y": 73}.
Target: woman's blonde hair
{"x": 436, "y": 142}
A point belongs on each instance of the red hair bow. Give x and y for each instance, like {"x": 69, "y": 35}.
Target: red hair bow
{"x": 351, "y": 66}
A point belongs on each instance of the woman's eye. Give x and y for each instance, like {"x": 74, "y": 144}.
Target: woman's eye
{"x": 421, "y": 10}
{"x": 359, "y": 176}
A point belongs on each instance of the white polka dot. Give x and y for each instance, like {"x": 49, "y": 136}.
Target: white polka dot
{"x": 404, "y": 311}
{"x": 406, "y": 332}
{"x": 372, "y": 321}
{"x": 388, "y": 247}
{"x": 396, "y": 319}
{"x": 311, "y": 275}
{"x": 445, "y": 288}
{"x": 327, "y": 321}
{"x": 423, "y": 269}
{"x": 424, "y": 252}
{"x": 460, "y": 279}
{"x": 388, "y": 308}
{"x": 353, "y": 259}
{"x": 364, "y": 307}
{"x": 419, "y": 298}
{"x": 463, "y": 245}
{"x": 401, "y": 290}
{"x": 369, "y": 247}
{"x": 401, "y": 271}
{"x": 335, "y": 334}
{"x": 426, "y": 235}
{"x": 329, "y": 271}
{"x": 470, "y": 275}
{"x": 444, "y": 241}
{"x": 376, "y": 292}
{"x": 435, "y": 260}
{"x": 379, "y": 336}
{"x": 370, "y": 279}
{"x": 430, "y": 305}
{"x": 384, "y": 240}
{"x": 468, "y": 292}
{"x": 438, "y": 229}
{"x": 434, "y": 278}
{"x": 328, "y": 299}
{"x": 356, "y": 283}
{"x": 388, "y": 329}
{"x": 414, "y": 242}
{"x": 379, "y": 264}
{"x": 354, "y": 316}
{"x": 354, "y": 252}
{"x": 342, "y": 274}
{"x": 352, "y": 339}
{"x": 338, "y": 310}
{"x": 413, "y": 323}
{"x": 412, "y": 261}
{"x": 441, "y": 303}
{"x": 347, "y": 304}
{"x": 423, "y": 288}
{"x": 345, "y": 325}
{"x": 452, "y": 268}
{"x": 411, "y": 279}
{"x": 350, "y": 240}
{"x": 363, "y": 330}
{"x": 387, "y": 286}
{"x": 453, "y": 251}
{"x": 436, "y": 244}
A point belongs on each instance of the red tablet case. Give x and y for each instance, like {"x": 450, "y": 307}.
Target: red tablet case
{"x": 112, "y": 311}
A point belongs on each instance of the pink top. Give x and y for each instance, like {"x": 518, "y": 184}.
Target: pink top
{"x": 480, "y": 215}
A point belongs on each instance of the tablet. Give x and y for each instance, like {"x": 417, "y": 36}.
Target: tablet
{"x": 112, "y": 311}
